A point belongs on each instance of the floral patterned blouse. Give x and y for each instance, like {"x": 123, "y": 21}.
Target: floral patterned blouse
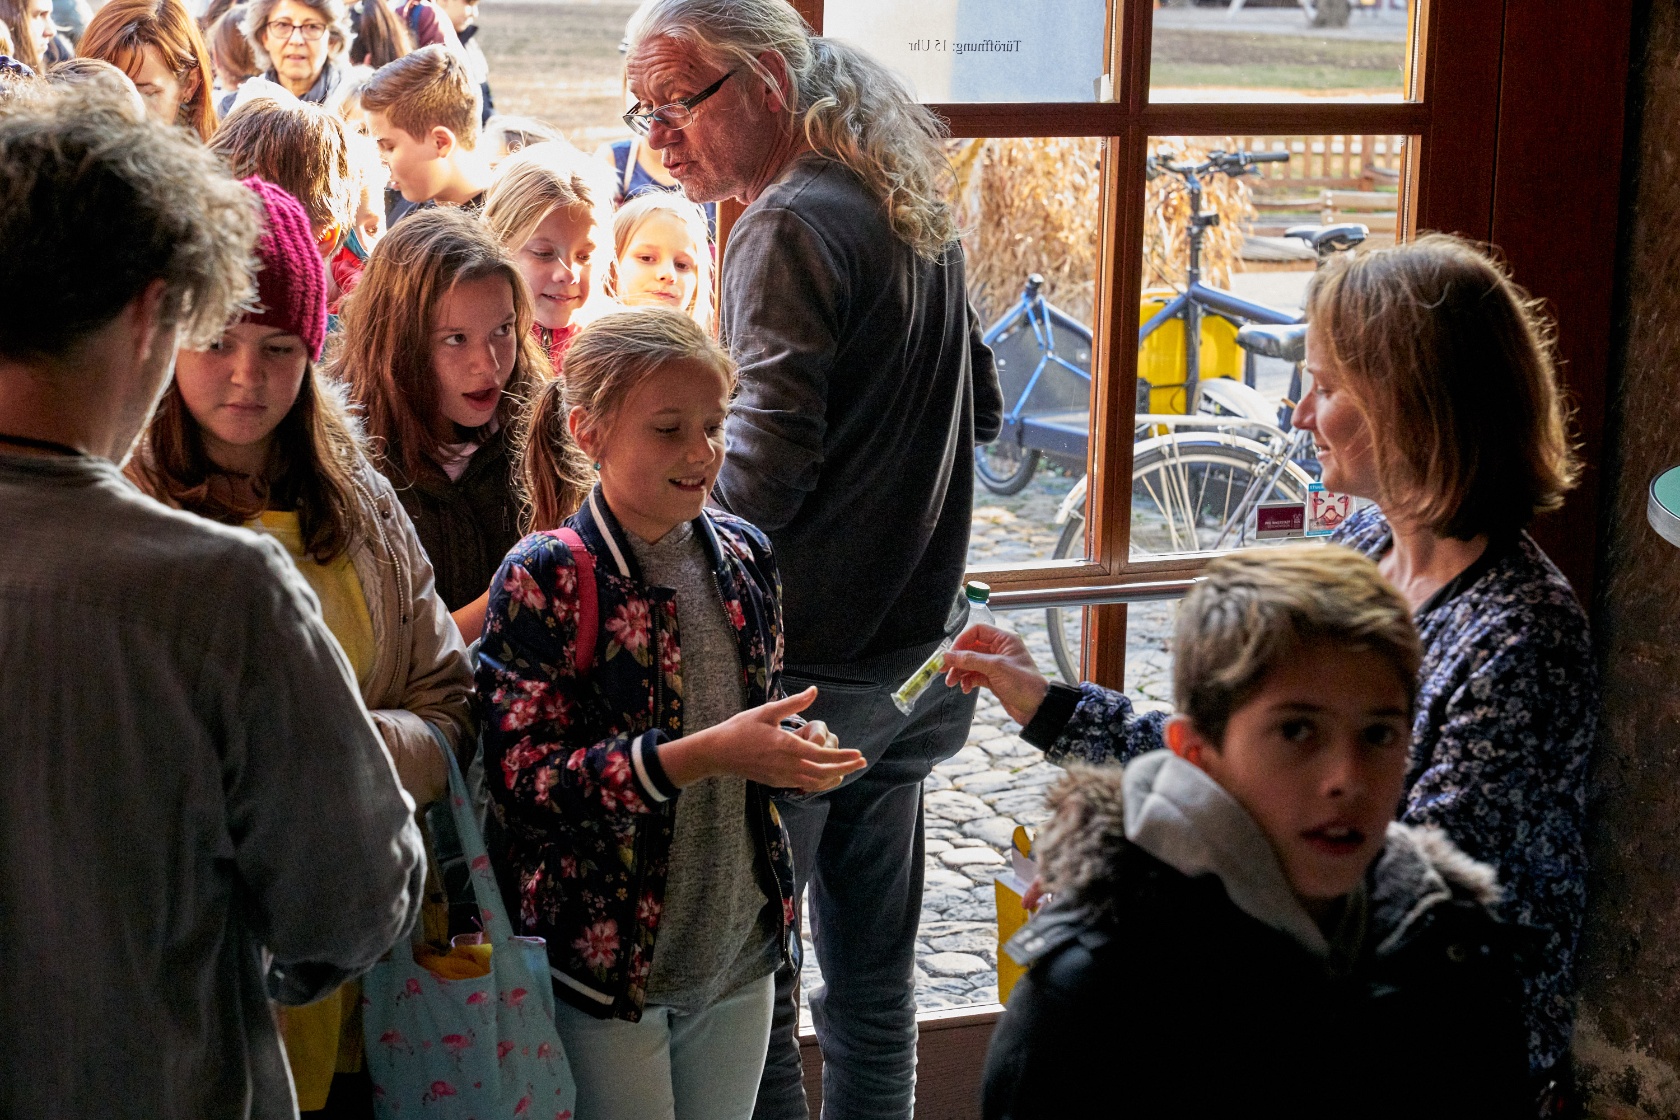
{"x": 1507, "y": 713}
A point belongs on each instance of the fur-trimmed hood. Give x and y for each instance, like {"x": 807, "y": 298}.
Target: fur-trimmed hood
{"x": 1175, "y": 812}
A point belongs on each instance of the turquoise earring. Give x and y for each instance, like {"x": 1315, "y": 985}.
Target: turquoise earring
{"x": 597, "y": 466}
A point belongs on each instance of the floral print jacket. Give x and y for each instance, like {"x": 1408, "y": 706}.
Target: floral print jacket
{"x": 584, "y": 812}
{"x": 1507, "y": 712}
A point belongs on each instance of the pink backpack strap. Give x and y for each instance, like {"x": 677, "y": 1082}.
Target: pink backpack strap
{"x": 589, "y": 607}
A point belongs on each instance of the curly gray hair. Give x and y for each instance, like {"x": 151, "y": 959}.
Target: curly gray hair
{"x": 851, "y": 107}
{"x": 332, "y": 12}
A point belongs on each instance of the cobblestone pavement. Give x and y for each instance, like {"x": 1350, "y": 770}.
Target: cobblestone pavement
{"x": 975, "y": 799}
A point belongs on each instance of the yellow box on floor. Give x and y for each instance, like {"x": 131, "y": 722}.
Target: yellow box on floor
{"x": 1010, "y": 887}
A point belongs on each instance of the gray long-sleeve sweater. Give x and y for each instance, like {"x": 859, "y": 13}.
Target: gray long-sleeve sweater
{"x": 192, "y": 796}
{"x": 864, "y": 387}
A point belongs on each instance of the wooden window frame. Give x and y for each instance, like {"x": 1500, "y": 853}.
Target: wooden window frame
{"x": 1516, "y": 112}
{"x": 1126, "y": 124}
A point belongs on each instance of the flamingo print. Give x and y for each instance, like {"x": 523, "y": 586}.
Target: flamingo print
{"x": 437, "y": 1092}
{"x": 394, "y": 1040}
{"x": 456, "y": 1044}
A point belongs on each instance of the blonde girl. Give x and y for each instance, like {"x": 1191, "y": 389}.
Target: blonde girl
{"x": 663, "y": 255}
{"x": 550, "y": 206}
{"x": 631, "y": 670}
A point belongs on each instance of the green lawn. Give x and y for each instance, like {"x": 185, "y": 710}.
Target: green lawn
{"x": 1221, "y": 58}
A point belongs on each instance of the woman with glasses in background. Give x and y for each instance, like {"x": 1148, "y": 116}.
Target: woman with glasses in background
{"x": 301, "y": 45}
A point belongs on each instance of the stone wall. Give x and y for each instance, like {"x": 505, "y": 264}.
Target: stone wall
{"x": 1628, "y": 1037}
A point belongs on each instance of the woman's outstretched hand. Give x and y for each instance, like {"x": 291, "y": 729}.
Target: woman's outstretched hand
{"x": 984, "y": 656}
{"x": 753, "y": 745}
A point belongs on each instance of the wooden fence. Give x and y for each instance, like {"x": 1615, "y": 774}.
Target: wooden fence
{"x": 1326, "y": 162}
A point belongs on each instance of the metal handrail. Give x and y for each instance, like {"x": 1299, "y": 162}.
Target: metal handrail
{"x": 1088, "y": 596}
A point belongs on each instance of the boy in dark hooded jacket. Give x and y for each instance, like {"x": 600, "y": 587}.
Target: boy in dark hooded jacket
{"x": 1238, "y": 926}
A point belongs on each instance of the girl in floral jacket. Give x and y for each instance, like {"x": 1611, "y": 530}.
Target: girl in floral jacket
{"x": 631, "y": 665}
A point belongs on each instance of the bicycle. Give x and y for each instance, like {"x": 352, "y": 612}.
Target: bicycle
{"x": 1199, "y": 478}
{"x": 1047, "y": 395}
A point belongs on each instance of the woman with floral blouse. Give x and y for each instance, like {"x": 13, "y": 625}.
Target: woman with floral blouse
{"x": 1435, "y": 396}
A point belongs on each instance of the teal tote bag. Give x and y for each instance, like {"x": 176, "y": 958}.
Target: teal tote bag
{"x": 482, "y": 1047}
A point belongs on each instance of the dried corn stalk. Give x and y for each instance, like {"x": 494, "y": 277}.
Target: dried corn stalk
{"x": 1033, "y": 205}
{"x": 1030, "y": 206}
{"x": 1166, "y": 221}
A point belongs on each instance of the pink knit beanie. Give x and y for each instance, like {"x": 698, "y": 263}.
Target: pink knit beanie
{"x": 292, "y": 280}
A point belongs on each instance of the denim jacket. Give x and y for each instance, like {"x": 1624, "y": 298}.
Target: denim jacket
{"x": 584, "y": 809}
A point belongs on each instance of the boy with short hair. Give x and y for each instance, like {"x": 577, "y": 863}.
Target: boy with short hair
{"x": 423, "y": 111}
{"x": 1238, "y": 924}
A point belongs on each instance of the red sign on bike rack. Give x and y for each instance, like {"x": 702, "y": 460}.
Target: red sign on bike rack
{"x": 1275, "y": 520}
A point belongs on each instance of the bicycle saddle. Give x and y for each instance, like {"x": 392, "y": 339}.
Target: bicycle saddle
{"x": 1288, "y": 342}
{"x": 1330, "y": 239}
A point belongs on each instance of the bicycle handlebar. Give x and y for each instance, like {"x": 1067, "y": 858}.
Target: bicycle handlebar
{"x": 1228, "y": 163}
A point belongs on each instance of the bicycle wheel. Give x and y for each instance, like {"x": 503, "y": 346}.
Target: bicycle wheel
{"x": 1004, "y": 466}
{"x": 1186, "y": 493}
{"x": 1067, "y": 624}
{"x": 1192, "y": 493}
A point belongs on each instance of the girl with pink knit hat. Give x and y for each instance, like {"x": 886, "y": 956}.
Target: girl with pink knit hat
{"x": 250, "y": 433}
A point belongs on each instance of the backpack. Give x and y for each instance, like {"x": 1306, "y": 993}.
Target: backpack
{"x": 589, "y": 606}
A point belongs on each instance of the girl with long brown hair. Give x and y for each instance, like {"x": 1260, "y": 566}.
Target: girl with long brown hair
{"x": 30, "y": 27}
{"x": 157, "y": 44}
{"x": 438, "y": 354}
{"x": 250, "y": 433}
{"x": 377, "y": 34}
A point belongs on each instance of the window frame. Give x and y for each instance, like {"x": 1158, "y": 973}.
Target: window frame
{"x": 1126, "y": 124}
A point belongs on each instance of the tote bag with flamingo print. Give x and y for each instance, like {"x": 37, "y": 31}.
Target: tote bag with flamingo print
{"x": 483, "y": 1047}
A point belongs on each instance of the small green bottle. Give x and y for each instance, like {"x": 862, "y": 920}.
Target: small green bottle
{"x": 979, "y": 594}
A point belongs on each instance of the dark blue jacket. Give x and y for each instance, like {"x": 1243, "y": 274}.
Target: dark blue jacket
{"x": 584, "y": 811}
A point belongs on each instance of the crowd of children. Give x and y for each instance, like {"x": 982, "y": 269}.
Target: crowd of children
{"x": 490, "y": 411}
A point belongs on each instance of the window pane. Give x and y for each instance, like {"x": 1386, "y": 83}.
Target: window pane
{"x": 1216, "y": 464}
{"x": 1032, "y": 209}
{"x": 981, "y": 50}
{"x": 1355, "y": 50}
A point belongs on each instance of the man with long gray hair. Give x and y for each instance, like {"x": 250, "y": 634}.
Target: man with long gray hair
{"x": 864, "y": 385}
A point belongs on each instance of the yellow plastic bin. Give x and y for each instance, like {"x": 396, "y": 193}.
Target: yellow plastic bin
{"x": 1161, "y": 357}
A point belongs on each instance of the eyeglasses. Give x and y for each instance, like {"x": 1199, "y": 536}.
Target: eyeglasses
{"x": 281, "y": 30}
{"x": 678, "y": 114}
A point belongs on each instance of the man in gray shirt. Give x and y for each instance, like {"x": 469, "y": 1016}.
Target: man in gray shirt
{"x": 196, "y": 813}
{"x": 864, "y": 386}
